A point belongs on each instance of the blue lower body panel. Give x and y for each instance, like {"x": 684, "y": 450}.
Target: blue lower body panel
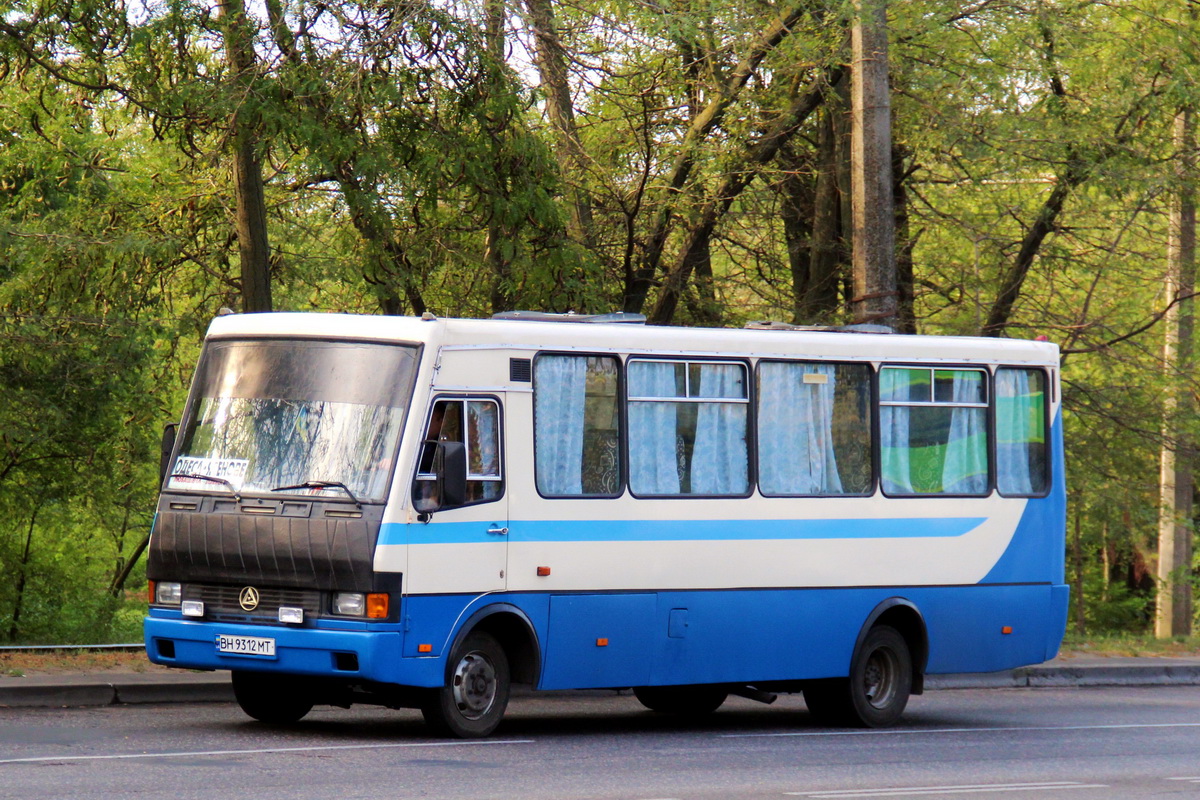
{"x": 619, "y": 639}
{"x": 351, "y": 654}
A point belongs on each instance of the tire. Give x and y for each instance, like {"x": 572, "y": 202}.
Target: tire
{"x": 688, "y": 700}
{"x": 475, "y": 696}
{"x": 275, "y": 699}
{"x": 876, "y": 693}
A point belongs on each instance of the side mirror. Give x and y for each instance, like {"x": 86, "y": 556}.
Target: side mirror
{"x": 167, "y": 447}
{"x": 451, "y": 467}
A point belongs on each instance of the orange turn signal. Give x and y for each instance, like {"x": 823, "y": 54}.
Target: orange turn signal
{"x": 1006, "y": 629}
{"x": 543, "y": 571}
{"x": 602, "y": 643}
{"x": 377, "y": 605}
{"x": 424, "y": 648}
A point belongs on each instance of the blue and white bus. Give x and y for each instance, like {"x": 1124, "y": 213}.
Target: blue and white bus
{"x": 421, "y": 512}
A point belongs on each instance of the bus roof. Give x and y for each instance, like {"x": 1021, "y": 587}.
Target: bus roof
{"x": 621, "y": 337}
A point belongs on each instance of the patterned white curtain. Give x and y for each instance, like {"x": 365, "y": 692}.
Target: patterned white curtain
{"x": 1015, "y": 415}
{"x": 795, "y": 423}
{"x": 965, "y": 469}
{"x": 561, "y": 383}
{"x": 653, "y": 435}
{"x": 720, "y": 459}
{"x": 896, "y": 469}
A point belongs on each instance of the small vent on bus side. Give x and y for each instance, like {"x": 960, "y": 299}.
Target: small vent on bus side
{"x": 520, "y": 370}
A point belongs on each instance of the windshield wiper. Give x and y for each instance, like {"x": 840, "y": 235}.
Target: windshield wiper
{"x": 233, "y": 491}
{"x": 321, "y": 485}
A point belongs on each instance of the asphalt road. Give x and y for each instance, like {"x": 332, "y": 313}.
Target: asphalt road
{"x": 1077, "y": 743}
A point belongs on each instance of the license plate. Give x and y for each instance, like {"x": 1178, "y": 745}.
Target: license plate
{"x": 246, "y": 645}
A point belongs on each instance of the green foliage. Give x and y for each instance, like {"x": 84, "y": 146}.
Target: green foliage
{"x": 407, "y": 167}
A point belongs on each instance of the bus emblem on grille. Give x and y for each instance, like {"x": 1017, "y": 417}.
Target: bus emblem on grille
{"x": 248, "y": 598}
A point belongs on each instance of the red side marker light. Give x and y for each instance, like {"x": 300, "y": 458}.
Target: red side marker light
{"x": 543, "y": 571}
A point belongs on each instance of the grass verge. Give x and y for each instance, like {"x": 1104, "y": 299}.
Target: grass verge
{"x": 52, "y": 662}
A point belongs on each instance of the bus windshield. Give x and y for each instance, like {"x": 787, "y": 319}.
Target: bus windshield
{"x": 295, "y": 417}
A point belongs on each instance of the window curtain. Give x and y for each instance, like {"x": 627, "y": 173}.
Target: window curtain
{"x": 653, "y": 466}
{"x": 795, "y": 443}
{"x": 1017, "y": 413}
{"x": 484, "y": 449}
{"x": 720, "y": 460}
{"x": 964, "y": 470}
{"x": 558, "y": 410}
{"x": 894, "y": 426}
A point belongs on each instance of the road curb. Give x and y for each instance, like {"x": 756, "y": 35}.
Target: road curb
{"x": 1067, "y": 676}
{"x": 214, "y": 691}
{"x": 50, "y": 691}
{"x": 85, "y": 690}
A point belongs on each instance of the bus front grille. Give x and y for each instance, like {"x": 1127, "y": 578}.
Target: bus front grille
{"x": 219, "y": 599}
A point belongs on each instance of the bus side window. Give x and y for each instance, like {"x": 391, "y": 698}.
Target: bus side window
{"x": 577, "y": 426}
{"x": 933, "y": 431}
{"x": 814, "y": 428}
{"x": 475, "y": 424}
{"x": 688, "y": 428}
{"x": 1021, "y": 436}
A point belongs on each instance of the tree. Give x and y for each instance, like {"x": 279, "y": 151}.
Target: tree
{"x": 1176, "y": 519}
{"x": 251, "y": 214}
{"x": 874, "y": 234}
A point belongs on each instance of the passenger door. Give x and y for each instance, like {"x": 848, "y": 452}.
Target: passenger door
{"x": 460, "y": 548}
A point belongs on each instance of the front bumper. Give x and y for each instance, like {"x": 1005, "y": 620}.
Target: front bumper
{"x": 352, "y": 655}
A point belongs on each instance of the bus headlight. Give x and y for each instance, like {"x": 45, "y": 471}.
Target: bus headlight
{"x": 350, "y": 604}
{"x": 168, "y": 594}
{"x": 357, "y": 604}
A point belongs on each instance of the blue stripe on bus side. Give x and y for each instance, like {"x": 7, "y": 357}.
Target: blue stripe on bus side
{"x": 655, "y": 530}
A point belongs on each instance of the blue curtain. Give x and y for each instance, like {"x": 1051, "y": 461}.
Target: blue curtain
{"x": 558, "y": 413}
{"x": 653, "y": 435}
{"x": 1018, "y": 427}
{"x": 720, "y": 459}
{"x": 795, "y": 425}
{"x": 964, "y": 470}
{"x": 894, "y": 433}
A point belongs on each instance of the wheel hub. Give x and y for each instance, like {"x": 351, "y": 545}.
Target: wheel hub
{"x": 879, "y": 678}
{"x": 474, "y": 685}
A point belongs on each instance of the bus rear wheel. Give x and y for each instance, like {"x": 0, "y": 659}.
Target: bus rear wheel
{"x": 277, "y": 699}
{"x": 475, "y": 696}
{"x": 876, "y": 693}
{"x": 690, "y": 700}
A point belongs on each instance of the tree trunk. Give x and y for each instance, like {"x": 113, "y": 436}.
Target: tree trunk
{"x": 797, "y": 200}
{"x": 251, "y": 207}
{"x": 637, "y": 289}
{"x": 874, "y": 233}
{"x": 495, "y": 252}
{"x": 1077, "y": 560}
{"x": 828, "y": 255}
{"x": 1173, "y": 615}
{"x": 906, "y": 317}
{"x": 696, "y": 242}
{"x": 14, "y": 627}
{"x": 550, "y": 58}
{"x": 1014, "y": 278}
{"x": 394, "y": 273}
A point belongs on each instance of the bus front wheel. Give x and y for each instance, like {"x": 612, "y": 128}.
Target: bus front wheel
{"x": 276, "y": 699}
{"x": 475, "y": 696}
{"x": 876, "y": 693}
